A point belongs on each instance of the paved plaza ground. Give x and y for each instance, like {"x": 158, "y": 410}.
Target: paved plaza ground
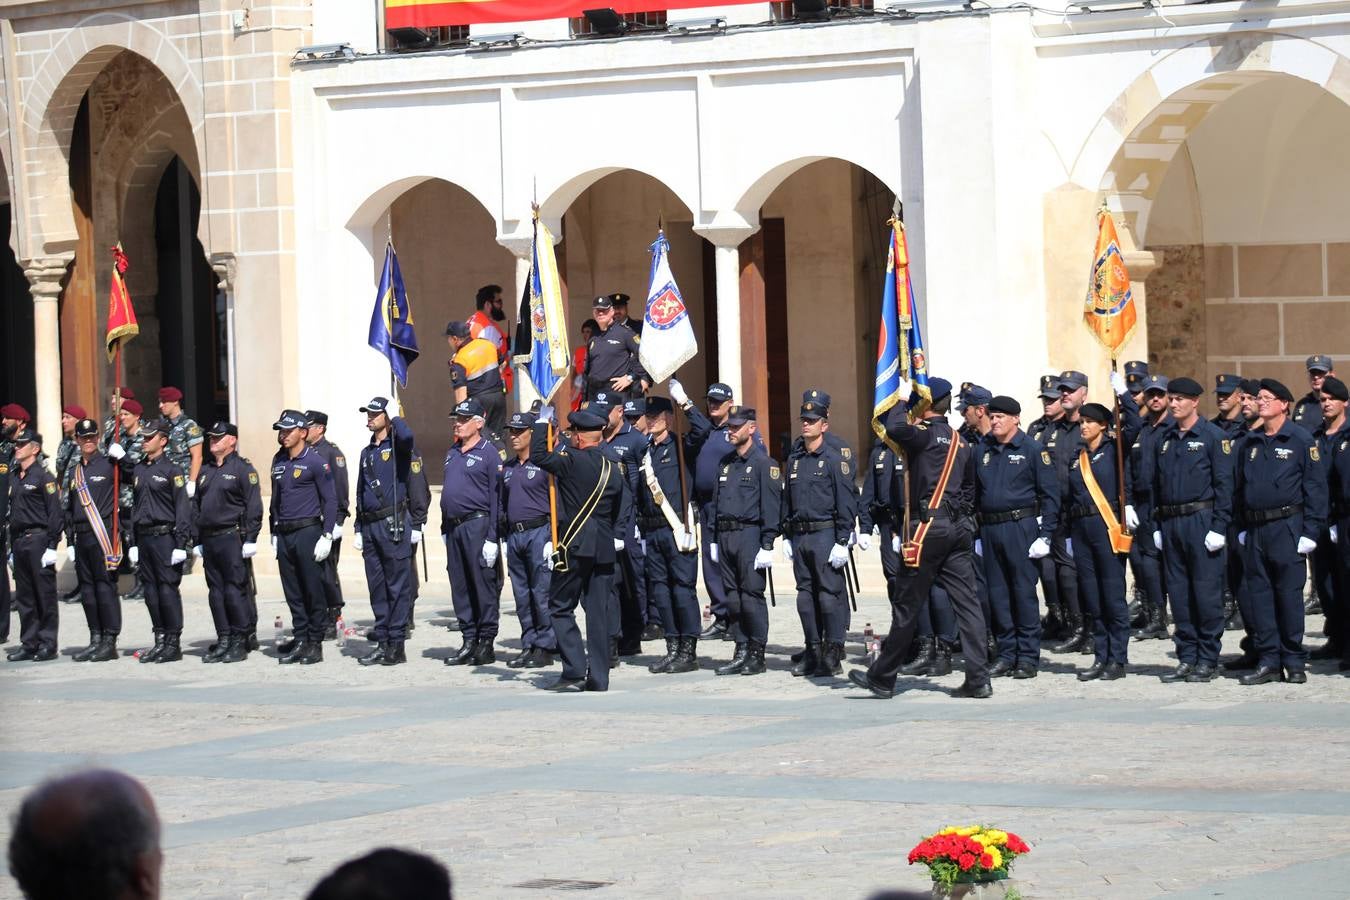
{"x": 692, "y": 785}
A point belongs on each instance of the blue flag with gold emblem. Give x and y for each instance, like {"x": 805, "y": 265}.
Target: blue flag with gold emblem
{"x": 900, "y": 350}
{"x": 391, "y": 324}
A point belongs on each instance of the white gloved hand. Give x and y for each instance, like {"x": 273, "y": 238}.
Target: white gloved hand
{"x": 546, "y": 413}
{"x": 1214, "y": 542}
{"x": 197, "y": 551}
{"x": 191, "y": 489}
{"x": 713, "y": 554}
{"x": 358, "y": 543}
{"x": 548, "y": 551}
{"x": 864, "y": 541}
{"x": 275, "y": 552}
{"x": 116, "y": 451}
{"x": 903, "y": 390}
{"x": 336, "y": 533}
{"x": 763, "y": 560}
{"x": 1335, "y": 535}
{"x": 70, "y": 553}
{"x": 838, "y": 556}
{"x": 1306, "y": 545}
{"x": 642, "y": 546}
{"x": 48, "y": 558}
{"x": 1118, "y": 384}
{"x": 1068, "y": 547}
{"x": 414, "y": 536}
{"x": 1157, "y": 539}
{"x": 248, "y": 550}
{"x": 1039, "y": 549}
{"x": 490, "y": 551}
{"x": 687, "y": 541}
{"x": 678, "y": 393}
{"x": 1131, "y": 518}
{"x": 134, "y": 554}
{"x": 618, "y": 544}
{"x": 979, "y": 547}
{"x": 895, "y": 543}
{"x": 1242, "y": 538}
{"x": 178, "y": 556}
{"x": 787, "y": 549}
{"x": 322, "y": 547}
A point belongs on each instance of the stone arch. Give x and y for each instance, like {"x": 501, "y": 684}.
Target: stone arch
{"x": 753, "y": 196}
{"x": 561, "y": 197}
{"x": 54, "y": 96}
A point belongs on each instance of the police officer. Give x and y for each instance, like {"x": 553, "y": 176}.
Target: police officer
{"x": 1282, "y": 503}
{"x": 590, "y": 493}
{"x": 973, "y": 405}
{"x": 162, "y": 520}
{"x": 941, "y": 493}
{"x": 1136, "y": 371}
{"x": 185, "y": 437}
{"x": 634, "y": 414}
{"x": 1228, "y": 395}
{"x": 1234, "y": 569}
{"x": 612, "y": 357}
{"x": 129, "y": 435}
{"x": 819, "y": 509}
{"x": 1018, "y": 497}
{"x": 301, "y": 518}
{"x": 882, "y": 483}
{"x": 626, "y": 445}
{"x": 1146, "y": 558}
{"x": 317, "y": 437}
{"x": 1189, "y": 480}
{"x": 1055, "y": 622}
{"x": 385, "y": 529}
{"x": 1061, "y": 440}
{"x": 34, "y": 532}
{"x": 228, "y": 510}
{"x": 526, "y": 531}
{"x": 89, "y": 528}
{"x": 747, "y": 519}
{"x": 620, "y": 302}
{"x": 419, "y": 510}
{"x": 1307, "y": 412}
{"x": 671, "y": 549}
{"x": 1325, "y": 565}
{"x": 66, "y": 455}
{"x": 476, "y": 374}
{"x": 7, "y": 430}
{"x": 1339, "y": 530}
{"x": 470, "y": 501}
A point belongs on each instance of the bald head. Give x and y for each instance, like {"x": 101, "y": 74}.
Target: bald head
{"x": 92, "y": 834}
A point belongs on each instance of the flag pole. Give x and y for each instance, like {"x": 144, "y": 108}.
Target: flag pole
{"x": 117, "y": 439}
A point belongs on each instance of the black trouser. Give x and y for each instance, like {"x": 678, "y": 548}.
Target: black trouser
{"x": 5, "y": 599}
{"x": 34, "y": 591}
{"x": 226, "y": 583}
{"x": 712, "y": 572}
{"x": 302, "y": 582}
{"x": 671, "y": 577}
{"x": 1326, "y": 581}
{"x": 1066, "y": 574}
{"x": 494, "y": 408}
{"x": 162, "y": 577}
{"x": 1101, "y": 585}
{"x": 332, "y": 588}
{"x": 948, "y": 559}
{"x": 586, "y": 583}
{"x": 389, "y": 577}
{"x": 98, "y": 585}
{"x": 747, "y": 610}
{"x": 629, "y": 594}
{"x": 821, "y": 604}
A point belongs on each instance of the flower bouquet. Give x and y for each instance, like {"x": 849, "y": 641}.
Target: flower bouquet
{"x": 968, "y": 855}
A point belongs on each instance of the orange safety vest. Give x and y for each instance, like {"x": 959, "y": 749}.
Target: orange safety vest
{"x": 480, "y": 322}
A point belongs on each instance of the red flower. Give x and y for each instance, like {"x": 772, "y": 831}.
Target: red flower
{"x": 1016, "y": 844}
{"x": 966, "y": 861}
{"x": 986, "y": 860}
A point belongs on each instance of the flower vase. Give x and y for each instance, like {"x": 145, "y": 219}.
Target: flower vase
{"x": 991, "y": 889}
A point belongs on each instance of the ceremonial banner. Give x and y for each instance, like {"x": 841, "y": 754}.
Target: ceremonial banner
{"x": 1109, "y": 309}
{"x": 900, "y": 352}
{"x": 668, "y": 340}
{"x": 432, "y": 13}
{"x": 546, "y": 360}
{"x": 121, "y": 316}
{"x": 391, "y": 322}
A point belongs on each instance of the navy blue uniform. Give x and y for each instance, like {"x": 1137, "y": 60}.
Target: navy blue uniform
{"x": 162, "y": 518}
{"x": 883, "y": 484}
{"x": 1189, "y": 479}
{"x": 34, "y": 528}
{"x": 229, "y": 515}
{"x": 469, "y": 518}
{"x": 385, "y": 524}
{"x": 747, "y": 518}
{"x": 304, "y": 508}
{"x": 6, "y": 458}
{"x": 613, "y": 354}
{"x": 671, "y": 574}
{"x": 1307, "y": 412}
{"x": 419, "y": 510}
{"x": 1281, "y": 497}
{"x": 1326, "y": 577}
{"x": 1338, "y": 451}
{"x": 525, "y": 530}
{"x": 93, "y": 479}
{"x": 820, "y": 505}
{"x": 1060, "y": 438}
{"x": 1145, "y": 558}
{"x": 1018, "y": 496}
{"x": 337, "y": 464}
{"x": 590, "y": 492}
{"x": 629, "y": 599}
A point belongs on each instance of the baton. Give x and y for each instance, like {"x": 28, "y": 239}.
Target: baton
{"x": 857, "y": 585}
{"x": 425, "y": 577}
{"x": 252, "y": 583}
{"x": 852, "y": 597}
{"x": 773, "y": 601}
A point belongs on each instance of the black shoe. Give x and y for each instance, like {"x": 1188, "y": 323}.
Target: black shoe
{"x": 686, "y": 656}
{"x": 864, "y": 681}
{"x": 1343, "y": 665}
{"x": 45, "y": 653}
{"x": 1001, "y": 668}
{"x": 173, "y": 650}
{"x": 807, "y": 661}
{"x": 1296, "y": 676}
{"x": 1312, "y": 604}
{"x": 330, "y": 626}
{"x": 830, "y": 662}
{"x": 312, "y": 654}
{"x": 518, "y": 662}
{"x": 942, "y": 662}
{"x": 797, "y": 657}
{"x": 72, "y": 596}
{"x": 1076, "y": 642}
{"x": 23, "y": 654}
{"x": 149, "y": 656}
{"x": 717, "y": 630}
{"x": 218, "y": 650}
{"x": 483, "y": 652}
{"x": 394, "y": 655}
{"x": 974, "y": 691}
{"x": 237, "y": 649}
{"x": 652, "y": 632}
{"x": 1023, "y": 672}
{"x": 1243, "y": 662}
{"x": 1180, "y": 673}
{"x": 568, "y": 686}
{"x": 370, "y": 636}
{"x": 286, "y": 648}
{"x": 464, "y": 656}
{"x": 107, "y": 649}
{"x": 1114, "y": 672}
{"x": 594, "y": 686}
{"x": 662, "y": 665}
{"x": 737, "y": 662}
{"x": 1263, "y": 675}
{"x": 136, "y": 593}
{"x": 250, "y": 641}
{"x": 628, "y": 648}
{"x": 1093, "y": 672}
{"x": 376, "y": 656}
{"x": 539, "y": 659}
{"x": 924, "y": 660}
{"x": 754, "y": 659}
{"x": 95, "y": 641}
{"x": 990, "y": 645}
{"x": 298, "y": 650}
{"x": 1202, "y": 673}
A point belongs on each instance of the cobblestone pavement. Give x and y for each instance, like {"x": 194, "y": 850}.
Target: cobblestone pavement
{"x": 691, "y": 785}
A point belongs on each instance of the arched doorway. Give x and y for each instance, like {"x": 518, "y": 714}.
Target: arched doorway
{"x": 16, "y": 311}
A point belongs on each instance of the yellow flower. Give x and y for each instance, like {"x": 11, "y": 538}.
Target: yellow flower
{"x": 968, "y": 830}
{"x": 950, "y": 829}
{"x": 996, "y": 855}
{"x": 983, "y": 839}
{"x": 998, "y": 837}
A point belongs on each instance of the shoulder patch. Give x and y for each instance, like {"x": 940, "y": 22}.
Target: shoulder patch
{"x": 178, "y": 481}
{"x": 775, "y": 473}
{"x": 1313, "y": 453}
{"x": 252, "y": 477}
{"x": 194, "y": 430}
{"x": 502, "y": 454}
{"x": 340, "y": 462}
{"x": 846, "y": 452}
{"x": 51, "y": 487}
{"x": 1045, "y": 457}
{"x": 843, "y": 466}
{"x": 621, "y": 468}
{"x": 416, "y": 466}
{"x": 1228, "y": 448}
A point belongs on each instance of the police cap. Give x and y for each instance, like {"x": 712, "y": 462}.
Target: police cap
{"x": 603, "y": 402}
{"x": 1049, "y": 387}
{"x": 601, "y": 303}
{"x": 1006, "y": 405}
{"x": 618, "y": 299}
{"x": 1185, "y": 387}
{"x": 587, "y": 420}
{"x": 290, "y": 418}
{"x": 314, "y": 417}
{"x": 1071, "y": 380}
{"x": 1226, "y": 384}
{"x": 634, "y": 408}
{"x": 457, "y": 328}
{"x": 468, "y": 409}
{"x": 739, "y": 415}
{"x": 221, "y": 429}
{"x": 820, "y": 398}
{"x": 719, "y": 392}
{"x": 1137, "y": 369}
{"x": 814, "y": 411}
{"x": 1278, "y": 389}
{"x": 376, "y": 405}
{"x": 658, "y": 405}
{"x": 163, "y": 426}
{"x": 1320, "y": 363}
{"x": 1250, "y": 386}
{"x": 27, "y": 436}
{"x": 974, "y": 395}
{"x": 1097, "y": 413}
{"x": 1156, "y": 382}
{"x": 86, "y": 428}
{"x": 939, "y": 387}
{"x": 521, "y": 421}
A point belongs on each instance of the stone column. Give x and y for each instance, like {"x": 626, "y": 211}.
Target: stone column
{"x": 726, "y": 241}
{"x": 525, "y": 393}
{"x": 45, "y": 274}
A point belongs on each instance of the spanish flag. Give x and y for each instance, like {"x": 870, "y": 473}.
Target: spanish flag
{"x": 1109, "y": 308}
{"x": 433, "y": 13}
{"x": 121, "y": 316}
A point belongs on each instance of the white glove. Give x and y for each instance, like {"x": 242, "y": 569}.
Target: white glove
{"x": 197, "y": 551}
{"x": 1214, "y": 542}
{"x": 687, "y": 542}
{"x": 787, "y": 549}
{"x": 1131, "y": 518}
{"x": 490, "y": 551}
{"x": 1068, "y": 547}
{"x": 548, "y": 551}
{"x": 134, "y": 554}
{"x": 322, "y": 547}
{"x": 618, "y": 544}
{"x": 1157, "y": 539}
{"x": 70, "y": 553}
{"x": 642, "y": 546}
{"x": 1306, "y": 545}
{"x": 1335, "y": 535}
{"x": 903, "y": 390}
{"x": 838, "y": 556}
{"x": 275, "y": 552}
{"x": 357, "y": 541}
{"x": 546, "y": 413}
{"x": 979, "y": 547}
{"x": 864, "y": 541}
{"x": 1242, "y": 538}
{"x": 191, "y": 489}
{"x": 895, "y": 543}
{"x": 248, "y": 550}
{"x": 763, "y": 560}
{"x": 336, "y": 533}
{"x": 712, "y": 553}
{"x": 678, "y": 393}
{"x": 414, "y": 537}
{"x": 1039, "y": 549}
{"x": 116, "y": 451}
{"x": 1118, "y": 384}
{"x": 48, "y": 558}
{"x": 178, "y": 556}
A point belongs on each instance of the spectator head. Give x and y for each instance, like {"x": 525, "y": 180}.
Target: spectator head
{"x": 386, "y": 874}
{"x": 93, "y": 835}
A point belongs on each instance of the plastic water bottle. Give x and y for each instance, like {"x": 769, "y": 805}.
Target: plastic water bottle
{"x": 342, "y": 631}
{"x": 279, "y": 630}
{"x": 707, "y": 614}
{"x": 870, "y": 642}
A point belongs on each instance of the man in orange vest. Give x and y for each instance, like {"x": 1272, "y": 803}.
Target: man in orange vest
{"x": 474, "y": 374}
{"x": 489, "y": 323}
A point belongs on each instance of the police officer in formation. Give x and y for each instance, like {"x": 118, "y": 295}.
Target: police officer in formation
{"x": 89, "y": 505}
{"x": 526, "y": 531}
{"x": 625, "y": 445}
{"x": 612, "y": 363}
{"x": 35, "y": 525}
{"x": 184, "y": 448}
{"x": 1326, "y": 559}
{"x": 1145, "y": 556}
{"x": 127, "y": 432}
{"x": 301, "y": 519}
{"x": 316, "y": 436}
{"x": 1307, "y": 412}
{"x": 1061, "y": 440}
{"x": 1336, "y": 455}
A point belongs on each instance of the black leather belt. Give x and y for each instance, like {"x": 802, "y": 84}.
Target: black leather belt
{"x": 152, "y": 530}
{"x": 1010, "y": 515}
{"x": 734, "y": 524}
{"x": 24, "y": 532}
{"x": 468, "y": 517}
{"x": 529, "y": 524}
{"x": 1083, "y": 510}
{"x": 83, "y": 526}
{"x": 881, "y": 515}
{"x": 650, "y": 524}
{"x": 218, "y": 530}
{"x": 1261, "y": 516}
{"x": 810, "y": 526}
{"x": 288, "y": 526}
{"x": 1182, "y": 509}
{"x": 384, "y": 512}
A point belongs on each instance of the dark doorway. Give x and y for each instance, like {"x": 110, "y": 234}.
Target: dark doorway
{"x": 193, "y": 345}
{"x": 17, "y": 381}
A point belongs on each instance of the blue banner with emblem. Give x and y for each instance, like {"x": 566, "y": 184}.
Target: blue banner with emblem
{"x": 545, "y": 359}
{"x": 900, "y": 350}
{"x": 391, "y": 324}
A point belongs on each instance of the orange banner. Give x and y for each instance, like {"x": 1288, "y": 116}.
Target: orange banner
{"x": 1109, "y": 308}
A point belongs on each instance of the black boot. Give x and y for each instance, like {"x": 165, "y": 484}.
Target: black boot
{"x": 686, "y": 656}
{"x": 716, "y": 631}
{"x": 172, "y": 651}
{"x": 942, "y": 661}
{"x": 464, "y": 656}
{"x": 1145, "y": 631}
{"x": 830, "y": 663}
{"x": 754, "y": 658}
{"x": 95, "y": 641}
{"x": 484, "y": 652}
{"x": 376, "y": 656}
{"x": 1230, "y": 610}
{"x": 218, "y": 649}
{"x": 1052, "y": 626}
{"x": 313, "y": 654}
{"x": 1077, "y": 635}
{"x": 539, "y": 658}
{"x": 148, "y": 656}
{"x": 394, "y": 655}
{"x": 737, "y": 661}
{"x": 107, "y": 649}
{"x": 518, "y": 662}
{"x": 330, "y": 627}
{"x": 236, "y": 649}
{"x": 251, "y": 639}
{"x": 809, "y": 660}
{"x": 922, "y": 662}
{"x": 652, "y": 631}
{"x": 663, "y": 664}
{"x": 298, "y": 650}
{"x": 613, "y": 653}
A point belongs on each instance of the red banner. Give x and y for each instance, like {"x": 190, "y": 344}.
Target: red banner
{"x": 432, "y": 13}
{"x": 121, "y": 316}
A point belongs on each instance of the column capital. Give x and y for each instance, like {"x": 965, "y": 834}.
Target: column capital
{"x": 726, "y": 234}
{"x": 45, "y": 275}
{"x": 226, "y": 267}
{"x": 520, "y": 241}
